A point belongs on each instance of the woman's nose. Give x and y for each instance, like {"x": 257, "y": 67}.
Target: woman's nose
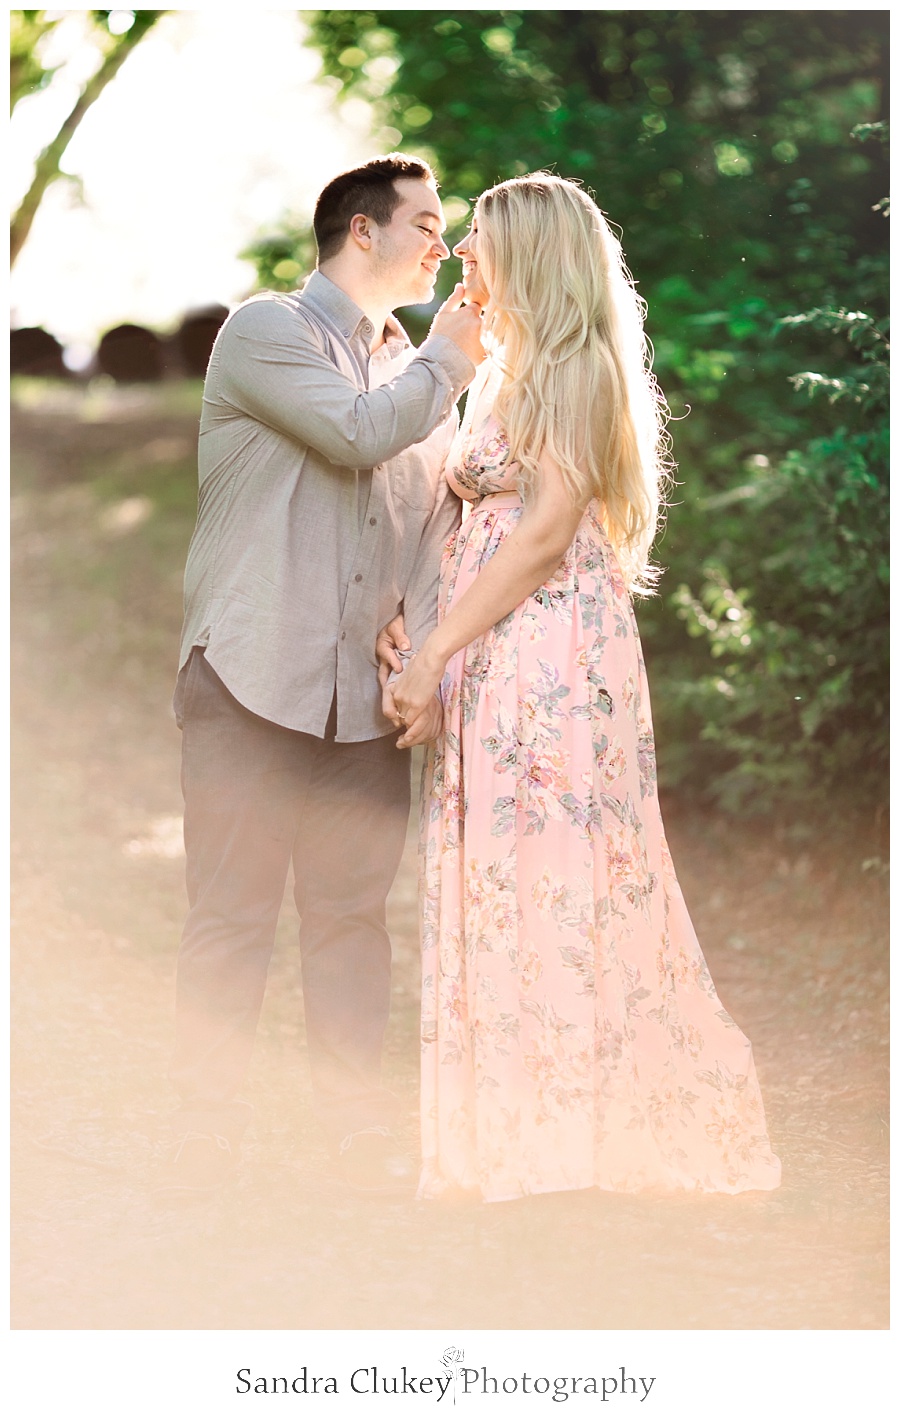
{"x": 461, "y": 247}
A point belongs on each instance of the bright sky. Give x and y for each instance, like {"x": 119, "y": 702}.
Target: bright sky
{"x": 212, "y": 131}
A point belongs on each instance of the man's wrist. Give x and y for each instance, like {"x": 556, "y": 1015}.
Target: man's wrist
{"x": 452, "y": 359}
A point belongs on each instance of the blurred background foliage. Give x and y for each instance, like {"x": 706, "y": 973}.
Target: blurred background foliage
{"x": 743, "y": 155}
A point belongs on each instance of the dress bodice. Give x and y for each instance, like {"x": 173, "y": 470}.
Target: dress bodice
{"x": 478, "y": 462}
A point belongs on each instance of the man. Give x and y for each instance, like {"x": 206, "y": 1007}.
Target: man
{"x": 322, "y": 512}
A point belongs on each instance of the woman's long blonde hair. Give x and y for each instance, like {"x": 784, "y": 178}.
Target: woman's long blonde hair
{"x": 569, "y": 327}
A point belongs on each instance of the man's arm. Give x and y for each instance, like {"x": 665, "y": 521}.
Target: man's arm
{"x": 410, "y": 627}
{"x": 272, "y": 365}
{"x": 421, "y": 596}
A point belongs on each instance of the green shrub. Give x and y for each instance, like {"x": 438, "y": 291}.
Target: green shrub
{"x": 793, "y": 613}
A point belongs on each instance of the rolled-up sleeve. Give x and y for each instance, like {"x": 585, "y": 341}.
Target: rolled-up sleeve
{"x": 274, "y": 367}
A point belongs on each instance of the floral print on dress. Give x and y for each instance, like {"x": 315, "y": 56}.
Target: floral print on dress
{"x": 482, "y": 467}
{"x": 572, "y": 1036}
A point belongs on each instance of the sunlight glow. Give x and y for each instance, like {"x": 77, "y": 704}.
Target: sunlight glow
{"x": 213, "y": 131}
{"x": 126, "y": 515}
{"x": 163, "y": 839}
{"x": 120, "y": 21}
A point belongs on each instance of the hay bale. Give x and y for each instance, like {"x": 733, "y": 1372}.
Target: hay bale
{"x": 34, "y": 351}
{"x": 130, "y": 354}
{"x": 196, "y": 335}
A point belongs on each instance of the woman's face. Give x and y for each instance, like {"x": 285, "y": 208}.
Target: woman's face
{"x": 473, "y": 280}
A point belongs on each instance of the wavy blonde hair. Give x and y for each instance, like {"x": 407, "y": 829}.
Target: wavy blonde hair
{"x": 569, "y": 328}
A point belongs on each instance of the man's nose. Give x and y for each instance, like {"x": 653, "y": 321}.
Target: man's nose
{"x": 442, "y": 249}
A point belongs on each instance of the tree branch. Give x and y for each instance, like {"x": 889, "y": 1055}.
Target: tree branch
{"x": 46, "y": 169}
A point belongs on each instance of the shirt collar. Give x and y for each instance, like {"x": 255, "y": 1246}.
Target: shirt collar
{"x": 328, "y": 298}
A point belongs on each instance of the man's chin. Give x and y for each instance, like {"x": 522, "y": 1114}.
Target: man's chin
{"x": 421, "y": 295}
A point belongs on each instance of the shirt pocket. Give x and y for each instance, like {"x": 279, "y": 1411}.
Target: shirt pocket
{"x": 410, "y": 478}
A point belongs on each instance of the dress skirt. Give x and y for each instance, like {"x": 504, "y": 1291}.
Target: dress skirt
{"x": 571, "y": 1032}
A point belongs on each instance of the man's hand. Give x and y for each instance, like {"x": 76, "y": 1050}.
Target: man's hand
{"x": 461, "y": 324}
{"x": 388, "y": 642}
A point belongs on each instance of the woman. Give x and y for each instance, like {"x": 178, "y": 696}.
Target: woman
{"x": 572, "y": 1035}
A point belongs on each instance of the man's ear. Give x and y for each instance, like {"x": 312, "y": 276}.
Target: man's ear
{"x": 361, "y": 230}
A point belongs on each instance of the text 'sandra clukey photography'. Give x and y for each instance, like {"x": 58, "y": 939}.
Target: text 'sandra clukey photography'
{"x": 452, "y": 1380}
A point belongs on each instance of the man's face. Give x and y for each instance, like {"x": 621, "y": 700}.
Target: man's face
{"x": 408, "y": 252}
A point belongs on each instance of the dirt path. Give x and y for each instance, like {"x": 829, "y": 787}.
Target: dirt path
{"x": 793, "y": 924}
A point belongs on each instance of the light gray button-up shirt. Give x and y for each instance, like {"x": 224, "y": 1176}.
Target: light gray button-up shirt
{"x": 323, "y": 509}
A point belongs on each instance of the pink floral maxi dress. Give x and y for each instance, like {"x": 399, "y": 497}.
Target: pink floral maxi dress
{"x": 571, "y": 1032}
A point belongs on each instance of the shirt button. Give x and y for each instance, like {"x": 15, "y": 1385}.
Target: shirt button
{"x": 358, "y": 577}
{"x": 343, "y": 636}
{"x": 372, "y": 522}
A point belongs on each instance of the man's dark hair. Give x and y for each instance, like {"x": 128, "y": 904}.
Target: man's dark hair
{"x": 368, "y": 189}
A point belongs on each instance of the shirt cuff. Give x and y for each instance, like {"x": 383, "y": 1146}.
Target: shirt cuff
{"x": 419, "y": 628}
{"x": 448, "y": 355}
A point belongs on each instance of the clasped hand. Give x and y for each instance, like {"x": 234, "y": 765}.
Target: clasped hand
{"x": 410, "y": 700}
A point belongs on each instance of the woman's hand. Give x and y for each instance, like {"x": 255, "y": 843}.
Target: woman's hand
{"x": 418, "y": 729}
{"x": 424, "y": 728}
{"x": 408, "y": 696}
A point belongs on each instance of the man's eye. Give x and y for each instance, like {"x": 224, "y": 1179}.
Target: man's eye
{"x": 427, "y": 230}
